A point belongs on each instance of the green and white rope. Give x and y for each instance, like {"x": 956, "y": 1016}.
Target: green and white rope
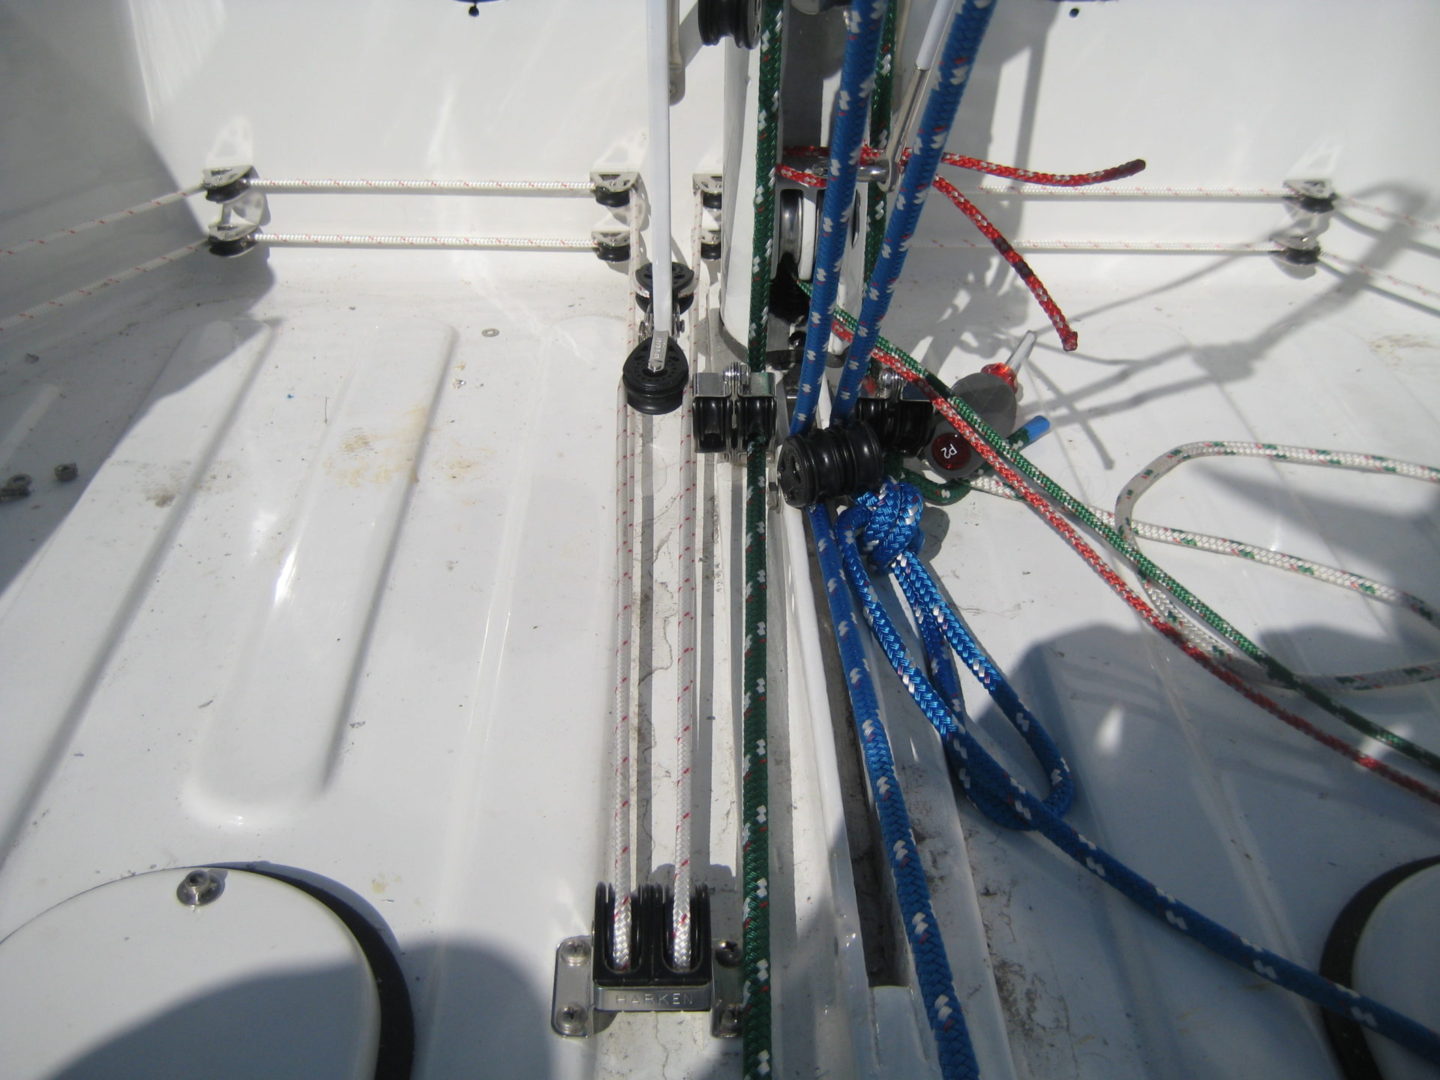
{"x": 1176, "y": 610}
{"x": 756, "y": 1051}
{"x": 946, "y": 494}
{"x": 767, "y": 151}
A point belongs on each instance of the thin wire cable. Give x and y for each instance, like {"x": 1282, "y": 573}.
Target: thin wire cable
{"x": 888, "y": 525}
{"x": 620, "y": 729}
{"x": 951, "y": 76}
{"x": 107, "y": 219}
{"x": 332, "y": 185}
{"x": 1175, "y": 609}
{"x": 503, "y": 243}
{"x": 59, "y": 303}
{"x": 864, "y": 21}
{"x": 984, "y": 439}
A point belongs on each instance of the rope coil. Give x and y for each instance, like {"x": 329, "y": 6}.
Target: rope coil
{"x": 886, "y": 526}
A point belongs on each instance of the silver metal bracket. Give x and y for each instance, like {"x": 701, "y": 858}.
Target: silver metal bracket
{"x": 579, "y": 1008}
{"x": 233, "y": 232}
{"x": 226, "y": 184}
{"x": 1312, "y": 196}
{"x": 1297, "y": 249}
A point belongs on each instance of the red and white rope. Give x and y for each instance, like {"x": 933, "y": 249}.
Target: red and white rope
{"x": 59, "y": 303}
{"x": 620, "y": 729}
{"x": 686, "y": 713}
{"x": 1280, "y": 560}
{"x": 107, "y": 219}
{"x": 1196, "y": 633}
{"x": 1343, "y": 265}
{"x": 491, "y": 243}
{"x": 423, "y": 187}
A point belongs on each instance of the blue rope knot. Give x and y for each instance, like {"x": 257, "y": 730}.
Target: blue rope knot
{"x": 887, "y": 523}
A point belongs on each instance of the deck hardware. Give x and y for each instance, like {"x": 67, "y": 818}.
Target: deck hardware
{"x": 612, "y": 245}
{"x": 1297, "y": 249}
{"x": 738, "y": 20}
{"x": 1312, "y": 196}
{"x": 711, "y": 187}
{"x": 17, "y": 487}
{"x": 655, "y": 392}
{"x": 234, "y": 232}
{"x": 682, "y": 290}
{"x": 733, "y": 409}
{"x": 227, "y": 184}
{"x": 200, "y": 887}
{"x": 66, "y": 472}
{"x": 844, "y": 459}
{"x": 726, "y": 1021}
{"x": 575, "y": 951}
{"x": 589, "y": 990}
{"x": 613, "y": 189}
{"x": 710, "y": 246}
{"x": 992, "y": 393}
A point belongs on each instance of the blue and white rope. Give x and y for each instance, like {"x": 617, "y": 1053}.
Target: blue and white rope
{"x": 887, "y": 525}
{"x": 952, "y": 75}
{"x": 932, "y": 965}
{"x": 864, "y": 21}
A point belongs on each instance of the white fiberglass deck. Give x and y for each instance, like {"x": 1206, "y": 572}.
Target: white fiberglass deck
{"x": 332, "y": 591}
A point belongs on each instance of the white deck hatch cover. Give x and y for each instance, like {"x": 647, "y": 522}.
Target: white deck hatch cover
{"x": 127, "y": 980}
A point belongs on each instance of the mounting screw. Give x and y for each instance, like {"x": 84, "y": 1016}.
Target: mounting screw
{"x": 200, "y": 887}
{"x": 570, "y": 1019}
{"x": 727, "y": 953}
{"x": 67, "y": 472}
{"x": 575, "y": 951}
{"x": 17, "y": 487}
{"x": 726, "y": 1024}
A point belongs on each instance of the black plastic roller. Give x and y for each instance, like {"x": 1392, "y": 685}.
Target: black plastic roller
{"x": 736, "y": 19}
{"x": 824, "y": 464}
{"x": 655, "y": 392}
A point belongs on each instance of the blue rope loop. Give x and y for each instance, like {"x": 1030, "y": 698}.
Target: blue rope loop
{"x": 1006, "y": 801}
{"x": 927, "y": 948}
{"x": 886, "y": 526}
{"x": 952, "y": 75}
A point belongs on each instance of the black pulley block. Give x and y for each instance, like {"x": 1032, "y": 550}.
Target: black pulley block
{"x": 842, "y": 460}
{"x": 736, "y": 19}
{"x": 655, "y": 392}
{"x": 682, "y": 286}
